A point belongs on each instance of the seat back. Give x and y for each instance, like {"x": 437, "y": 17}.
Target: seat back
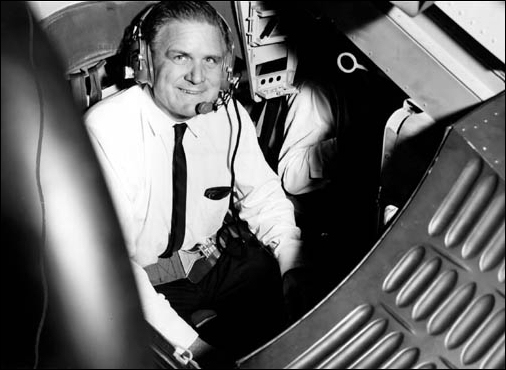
{"x": 89, "y": 36}
{"x": 71, "y": 293}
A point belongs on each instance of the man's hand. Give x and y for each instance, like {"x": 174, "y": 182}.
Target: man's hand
{"x": 208, "y": 357}
{"x": 299, "y": 289}
{"x": 199, "y": 348}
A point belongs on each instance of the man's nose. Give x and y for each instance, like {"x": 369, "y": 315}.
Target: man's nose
{"x": 196, "y": 75}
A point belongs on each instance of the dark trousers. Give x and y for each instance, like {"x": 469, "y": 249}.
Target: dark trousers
{"x": 244, "y": 288}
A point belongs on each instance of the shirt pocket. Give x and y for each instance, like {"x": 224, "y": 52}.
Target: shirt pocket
{"x": 217, "y": 193}
{"x": 216, "y": 202}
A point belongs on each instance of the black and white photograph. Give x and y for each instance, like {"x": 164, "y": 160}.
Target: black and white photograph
{"x": 253, "y": 184}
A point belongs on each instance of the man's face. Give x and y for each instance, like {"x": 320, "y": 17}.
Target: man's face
{"x": 187, "y": 59}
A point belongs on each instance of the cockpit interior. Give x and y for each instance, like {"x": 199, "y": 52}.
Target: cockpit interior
{"x": 408, "y": 241}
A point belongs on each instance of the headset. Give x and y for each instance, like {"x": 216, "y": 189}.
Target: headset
{"x": 139, "y": 63}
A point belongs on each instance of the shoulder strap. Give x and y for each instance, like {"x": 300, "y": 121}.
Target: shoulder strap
{"x": 272, "y": 133}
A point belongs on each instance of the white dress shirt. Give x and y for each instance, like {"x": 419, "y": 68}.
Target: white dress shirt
{"x": 134, "y": 141}
{"x": 310, "y": 146}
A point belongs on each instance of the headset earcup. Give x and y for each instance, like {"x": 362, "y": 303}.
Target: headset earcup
{"x": 228, "y": 71}
{"x": 141, "y": 62}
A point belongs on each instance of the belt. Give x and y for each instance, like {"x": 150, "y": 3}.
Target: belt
{"x": 191, "y": 264}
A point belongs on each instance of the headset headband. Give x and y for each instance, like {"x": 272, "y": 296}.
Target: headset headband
{"x": 137, "y": 31}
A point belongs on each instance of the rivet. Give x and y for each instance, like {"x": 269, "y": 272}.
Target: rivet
{"x": 485, "y": 120}
{"x": 475, "y": 126}
{"x": 484, "y": 148}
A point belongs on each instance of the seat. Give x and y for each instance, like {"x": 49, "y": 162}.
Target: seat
{"x": 59, "y": 223}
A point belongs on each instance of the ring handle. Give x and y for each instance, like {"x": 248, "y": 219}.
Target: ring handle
{"x": 355, "y": 64}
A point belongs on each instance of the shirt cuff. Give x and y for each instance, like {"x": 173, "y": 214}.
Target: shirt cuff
{"x": 159, "y": 313}
{"x": 289, "y": 255}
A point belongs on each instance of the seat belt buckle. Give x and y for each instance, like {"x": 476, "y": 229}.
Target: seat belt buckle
{"x": 208, "y": 254}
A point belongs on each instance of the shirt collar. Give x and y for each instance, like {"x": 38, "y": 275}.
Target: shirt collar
{"x": 157, "y": 116}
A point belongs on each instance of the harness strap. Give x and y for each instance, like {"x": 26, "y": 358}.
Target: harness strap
{"x": 273, "y": 125}
{"x": 95, "y": 73}
{"x": 78, "y": 87}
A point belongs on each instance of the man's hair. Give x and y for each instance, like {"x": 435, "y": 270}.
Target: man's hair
{"x": 164, "y": 12}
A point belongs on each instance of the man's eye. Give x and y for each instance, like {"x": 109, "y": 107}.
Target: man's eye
{"x": 210, "y": 61}
{"x": 180, "y": 59}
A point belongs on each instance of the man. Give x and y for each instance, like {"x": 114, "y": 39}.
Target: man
{"x": 331, "y": 140}
{"x": 315, "y": 125}
{"x": 138, "y": 133}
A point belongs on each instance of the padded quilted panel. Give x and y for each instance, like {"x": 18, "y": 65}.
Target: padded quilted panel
{"x": 431, "y": 292}
{"x": 88, "y": 32}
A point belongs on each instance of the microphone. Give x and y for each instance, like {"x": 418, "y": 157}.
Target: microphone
{"x": 223, "y": 98}
{"x": 205, "y": 107}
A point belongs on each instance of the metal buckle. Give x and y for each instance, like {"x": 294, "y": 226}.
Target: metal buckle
{"x": 207, "y": 249}
{"x": 208, "y": 255}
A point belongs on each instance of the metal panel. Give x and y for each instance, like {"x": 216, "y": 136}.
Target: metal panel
{"x": 440, "y": 40}
{"x": 258, "y": 26}
{"x": 483, "y": 20}
{"x": 441, "y": 87}
{"x": 486, "y": 133}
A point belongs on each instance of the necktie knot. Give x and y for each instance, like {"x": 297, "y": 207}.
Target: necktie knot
{"x": 179, "y": 131}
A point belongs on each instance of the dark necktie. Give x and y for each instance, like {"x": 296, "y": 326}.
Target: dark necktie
{"x": 178, "y": 193}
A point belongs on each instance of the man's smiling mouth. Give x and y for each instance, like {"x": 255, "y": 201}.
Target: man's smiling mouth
{"x": 190, "y": 92}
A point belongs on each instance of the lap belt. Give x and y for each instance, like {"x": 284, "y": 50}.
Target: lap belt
{"x": 191, "y": 264}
